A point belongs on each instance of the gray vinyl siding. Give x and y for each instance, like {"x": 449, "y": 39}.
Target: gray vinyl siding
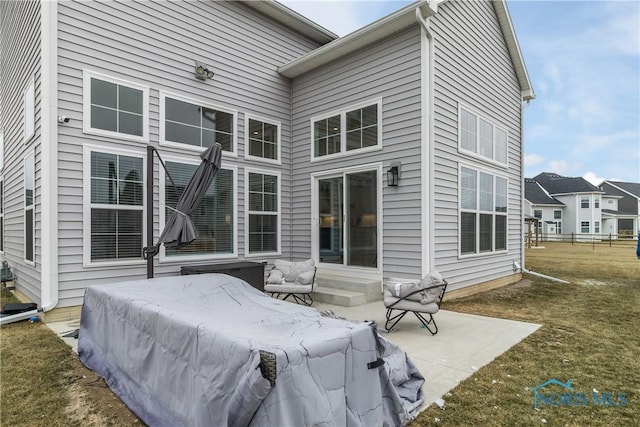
{"x": 389, "y": 69}
{"x": 155, "y": 44}
{"x": 19, "y": 62}
{"x": 472, "y": 67}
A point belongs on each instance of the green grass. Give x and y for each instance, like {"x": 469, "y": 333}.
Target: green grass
{"x": 589, "y": 335}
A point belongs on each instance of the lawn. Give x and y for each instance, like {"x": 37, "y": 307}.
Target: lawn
{"x": 589, "y": 336}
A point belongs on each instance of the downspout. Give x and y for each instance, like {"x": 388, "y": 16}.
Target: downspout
{"x": 291, "y": 178}
{"x": 522, "y": 198}
{"x": 49, "y": 164}
{"x": 427, "y": 149}
{"x": 49, "y": 153}
{"x": 544, "y": 276}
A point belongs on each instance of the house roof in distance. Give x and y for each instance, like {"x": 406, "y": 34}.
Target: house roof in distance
{"x": 632, "y": 188}
{"x": 536, "y": 194}
{"x": 558, "y": 184}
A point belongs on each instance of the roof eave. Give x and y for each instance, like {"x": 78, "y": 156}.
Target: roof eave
{"x": 526, "y": 89}
{"x": 371, "y": 33}
{"x": 292, "y": 19}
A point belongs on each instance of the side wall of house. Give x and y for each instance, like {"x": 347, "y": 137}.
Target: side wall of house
{"x": 570, "y": 221}
{"x": 473, "y": 69}
{"x": 20, "y": 65}
{"x": 627, "y": 204}
{"x": 156, "y": 44}
{"x": 388, "y": 70}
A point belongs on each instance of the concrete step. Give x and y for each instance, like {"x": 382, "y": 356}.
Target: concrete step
{"x": 370, "y": 288}
{"x": 339, "y": 297}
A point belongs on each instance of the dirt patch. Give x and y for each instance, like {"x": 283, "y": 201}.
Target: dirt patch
{"x": 92, "y": 403}
{"x": 594, "y": 282}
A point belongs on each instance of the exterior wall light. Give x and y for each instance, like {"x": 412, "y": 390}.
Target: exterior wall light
{"x": 203, "y": 72}
{"x": 393, "y": 176}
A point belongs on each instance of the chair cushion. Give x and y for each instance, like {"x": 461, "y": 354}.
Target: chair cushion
{"x": 403, "y": 288}
{"x": 275, "y": 277}
{"x": 305, "y": 278}
{"x": 291, "y": 270}
{"x": 409, "y": 305}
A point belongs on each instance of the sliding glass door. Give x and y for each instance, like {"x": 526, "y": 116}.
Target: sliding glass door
{"x": 348, "y": 219}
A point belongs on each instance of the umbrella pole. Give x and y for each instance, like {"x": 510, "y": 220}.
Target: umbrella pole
{"x": 150, "y": 151}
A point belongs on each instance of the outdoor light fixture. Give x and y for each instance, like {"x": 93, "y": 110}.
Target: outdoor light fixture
{"x": 203, "y": 72}
{"x": 392, "y": 176}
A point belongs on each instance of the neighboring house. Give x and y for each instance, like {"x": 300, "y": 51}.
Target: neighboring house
{"x": 540, "y": 205}
{"x": 623, "y": 214}
{"x": 311, "y": 126}
{"x": 579, "y": 203}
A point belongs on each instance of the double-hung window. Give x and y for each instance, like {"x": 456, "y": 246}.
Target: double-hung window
{"x": 584, "y": 227}
{"x": 483, "y": 212}
{"x": 115, "y": 108}
{"x": 186, "y": 122}
{"x": 114, "y": 225}
{"x": 481, "y": 138}
{"x": 584, "y": 202}
{"x": 29, "y": 200}
{"x": 214, "y": 219}
{"x": 263, "y": 140}
{"x": 596, "y": 202}
{"x": 348, "y": 131}
{"x": 263, "y": 211}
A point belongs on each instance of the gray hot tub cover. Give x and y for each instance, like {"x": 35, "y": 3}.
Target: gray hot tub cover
{"x": 186, "y": 351}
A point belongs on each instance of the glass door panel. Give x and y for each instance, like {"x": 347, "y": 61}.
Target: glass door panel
{"x": 347, "y": 219}
{"x": 330, "y": 206}
{"x": 362, "y": 233}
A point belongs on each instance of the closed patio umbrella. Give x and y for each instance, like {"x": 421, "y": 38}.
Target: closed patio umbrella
{"x": 179, "y": 230}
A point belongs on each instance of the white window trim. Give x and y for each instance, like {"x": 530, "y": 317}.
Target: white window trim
{"x": 247, "y": 212}
{"x": 278, "y": 125}
{"x": 86, "y": 107}
{"x": 343, "y": 131}
{"x": 25, "y": 208}
{"x": 477, "y": 155}
{"x": 479, "y": 254}
{"x": 1, "y": 151}
{"x": 588, "y": 200}
{"x": 361, "y": 272}
{"x": 86, "y": 208}
{"x": 194, "y": 148}
{"x": 29, "y": 110}
{"x": 588, "y": 225}
{"x": 163, "y": 257}
{"x": 2, "y": 211}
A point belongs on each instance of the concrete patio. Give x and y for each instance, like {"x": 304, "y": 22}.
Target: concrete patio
{"x": 463, "y": 345}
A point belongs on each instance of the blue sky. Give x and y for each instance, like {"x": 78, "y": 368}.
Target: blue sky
{"x": 583, "y": 59}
